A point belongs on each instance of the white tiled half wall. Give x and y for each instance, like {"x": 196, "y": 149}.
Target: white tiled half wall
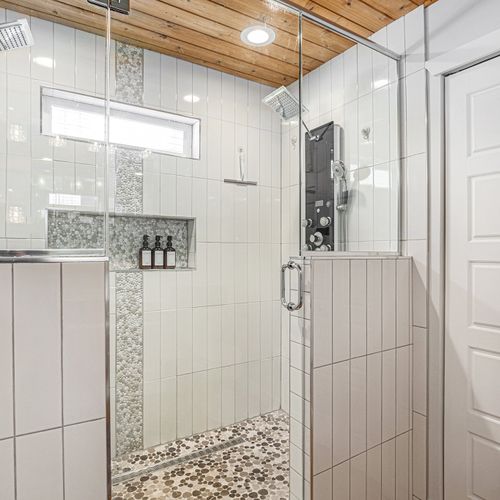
{"x": 351, "y": 382}
{"x": 53, "y": 439}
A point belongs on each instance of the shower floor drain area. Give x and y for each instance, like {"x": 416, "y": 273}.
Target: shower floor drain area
{"x": 250, "y": 457}
{"x": 177, "y": 461}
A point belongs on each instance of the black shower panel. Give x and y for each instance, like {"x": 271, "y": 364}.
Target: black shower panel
{"x": 320, "y": 156}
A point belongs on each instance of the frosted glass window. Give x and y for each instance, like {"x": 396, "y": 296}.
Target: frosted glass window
{"x": 81, "y": 117}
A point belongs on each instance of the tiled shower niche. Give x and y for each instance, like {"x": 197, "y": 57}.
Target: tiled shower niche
{"x": 84, "y": 230}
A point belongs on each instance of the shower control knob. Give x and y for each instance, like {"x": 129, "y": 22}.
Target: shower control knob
{"x": 316, "y": 238}
{"x": 307, "y": 222}
{"x": 325, "y": 221}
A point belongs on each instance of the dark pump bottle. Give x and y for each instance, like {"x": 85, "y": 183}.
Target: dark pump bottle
{"x": 170, "y": 255}
{"x": 145, "y": 254}
{"x": 158, "y": 254}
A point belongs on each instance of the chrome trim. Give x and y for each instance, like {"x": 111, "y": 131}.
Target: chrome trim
{"x": 52, "y": 256}
{"x": 324, "y": 23}
{"x": 241, "y": 183}
{"x": 291, "y": 306}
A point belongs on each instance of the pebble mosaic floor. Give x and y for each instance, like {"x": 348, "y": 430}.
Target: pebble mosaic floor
{"x": 256, "y": 468}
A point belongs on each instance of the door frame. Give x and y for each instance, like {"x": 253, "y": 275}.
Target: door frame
{"x": 460, "y": 58}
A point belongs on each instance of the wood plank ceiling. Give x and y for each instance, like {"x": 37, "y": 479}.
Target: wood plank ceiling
{"x": 207, "y": 32}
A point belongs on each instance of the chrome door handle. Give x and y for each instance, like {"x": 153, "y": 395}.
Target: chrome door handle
{"x": 291, "y": 306}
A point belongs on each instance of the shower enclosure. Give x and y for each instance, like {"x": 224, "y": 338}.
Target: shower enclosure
{"x": 114, "y": 132}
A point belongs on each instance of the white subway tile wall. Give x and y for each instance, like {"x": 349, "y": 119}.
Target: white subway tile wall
{"x": 361, "y": 405}
{"x": 53, "y": 441}
{"x": 212, "y": 336}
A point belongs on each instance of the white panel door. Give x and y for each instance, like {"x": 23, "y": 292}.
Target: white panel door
{"x": 472, "y": 373}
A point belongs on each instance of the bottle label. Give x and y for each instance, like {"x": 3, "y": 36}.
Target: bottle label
{"x": 159, "y": 258}
{"x": 146, "y": 258}
{"x": 171, "y": 259}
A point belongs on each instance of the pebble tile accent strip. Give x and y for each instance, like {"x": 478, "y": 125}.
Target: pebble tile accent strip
{"x": 258, "y": 468}
{"x": 129, "y": 362}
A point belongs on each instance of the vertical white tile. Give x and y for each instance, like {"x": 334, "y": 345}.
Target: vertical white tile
{"x": 416, "y": 197}
{"x": 168, "y": 410}
{"x": 254, "y": 104}
{"x": 168, "y": 343}
{"x": 6, "y": 335}
{"x": 341, "y": 481}
{"x": 84, "y": 61}
{"x": 419, "y": 461}
{"x": 341, "y": 413}
{"x": 381, "y": 126}
{"x": 341, "y": 293}
{"x": 42, "y": 51}
{"x": 214, "y": 398}
{"x": 227, "y": 392}
{"x": 184, "y": 86}
{"x": 388, "y": 304}
{"x": 240, "y": 392}
{"x": 414, "y": 40}
{"x": 374, "y": 305}
{"x": 338, "y": 81}
{"x": 374, "y": 473}
{"x": 213, "y": 274}
{"x": 200, "y": 339}
{"x": 200, "y": 402}
{"x": 241, "y": 333}
{"x": 7, "y": 478}
{"x": 84, "y": 346}
{"x": 227, "y": 334}
{"x": 85, "y": 461}
{"x": 358, "y": 477}
{"x": 389, "y": 470}
{"x": 254, "y": 331}
{"x": 253, "y": 388}
{"x": 388, "y": 394}
{"x": 322, "y": 419}
{"x": 365, "y": 70}
{"x": 200, "y": 276}
{"x": 384, "y": 224}
{"x": 420, "y": 370}
{"x": 214, "y": 348}
{"x": 184, "y": 405}
{"x": 64, "y": 55}
{"x": 184, "y": 290}
{"x": 37, "y": 352}
{"x": 184, "y": 341}
{"x": 39, "y": 466}
{"x": 322, "y": 485}
{"x": 358, "y": 307}
{"x": 416, "y": 139}
{"x": 403, "y": 389}
{"x": 418, "y": 250}
{"x": 152, "y": 413}
{"x": 396, "y": 42}
{"x": 200, "y": 90}
{"x": 358, "y": 405}
{"x": 227, "y": 273}
{"x": 403, "y": 466}
{"x": 152, "y": 78}
{"x": 374, "y": 400}
{"x": 322, "y": 312}
{"x": 168, "y": 83}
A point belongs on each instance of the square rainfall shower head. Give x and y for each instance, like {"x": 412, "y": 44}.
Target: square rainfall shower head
{"x": 283, "y": 102}
{"x": 15, "y": 35}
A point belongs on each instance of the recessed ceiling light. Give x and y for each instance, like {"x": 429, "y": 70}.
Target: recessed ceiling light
{"x": 258, "y": 36}
{"x": 191, "y": 98}
{"x": 46, "y": 62}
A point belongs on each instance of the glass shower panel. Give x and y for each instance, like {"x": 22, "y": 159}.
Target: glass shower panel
{"x": 202, "y": 347}
{"x": 52, "y": 186}
{"x": 350, "y": 152}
